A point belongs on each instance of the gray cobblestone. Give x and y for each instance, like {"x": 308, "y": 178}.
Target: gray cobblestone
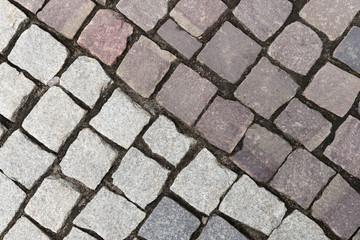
{"x": 77, "y": 234}
{"x": 25, "y": 230}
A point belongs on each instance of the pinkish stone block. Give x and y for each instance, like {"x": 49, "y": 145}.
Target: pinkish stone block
{"x": 66, "y": 16}
{"x": 32, "y": 5}
{"x": 106, "y": 36}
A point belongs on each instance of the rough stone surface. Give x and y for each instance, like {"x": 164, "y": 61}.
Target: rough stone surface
{"x": 37, "y": 52}
{"x": 22, "y": 160}
{"x": 169, "y": 221}
{"x": 14, "y": 88}
{"x": 266, "y": 88}
{"x": 144, "y": 66}
{"x": 77, "y": 234}
{"x": 203, "y": 189}
{"x": 195, "y": 16}
{"x": 330, "y": 16}
{"x": 66, "y": 16}
{"x": 10, "y": 197}
{"x": 110, "y": 215}
{"x": 10, "y": 19}
{"x": 106, "y": 36}
{"x": 85, "y": 78}
{"x": 297, "y": 226}
{"x": 88, "y": 159}
{"x": 224, "y": 123}
{"x": 301, "y": 177}
{"x": 339, "y": 208}
{"x": 229, "y": 52}
{"x": 144, "y": 13}
{"x": 357, "y": 236}
{"x": 140, "y": 177}
{"x": 262, "y": 153}
{"x": 186, "y": 94}
{"x": 179, "y": 39}
{"x": 53, "y": 118}
{"x": 304, "y": 124}
{"x": 344, "y": 150}
{"x": 120, "y": 119}
{"x": 164, "y": 139}
{"x": 297, "y": 48}
{"x": 217, "y": 228}
{"x": 333, "y": 89}
{"x": 32, "y": 5}
{"x": 348, "y": 50}
{"x": 25, "y": 230}
{"x": 253, "y": 206}
{"x": 263, "y": 17}
{"x": 52, "y": 203}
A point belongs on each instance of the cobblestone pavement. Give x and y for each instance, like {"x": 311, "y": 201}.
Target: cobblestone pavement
{"x": 179, "y": 119}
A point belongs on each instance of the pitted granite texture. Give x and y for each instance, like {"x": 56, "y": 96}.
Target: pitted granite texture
{"x": 25, "y": 230}
{"x": 77, "y": 234}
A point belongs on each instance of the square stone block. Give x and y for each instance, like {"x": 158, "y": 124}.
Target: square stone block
{"x": 229, "y": 52}
{"x": 266, "y": 88}
{"x": 144, "y": 66}
{"x": 53, "y": 118}
{"x": 224, "y": 123}
{"x": 25, "y": 230}
{"x": 297, "y": 48}
{"x": 106, "y": 36}
{"x": 186, "y": 94}
{"x": 120, "y": 119}
{"x": 203, "y": 189}
{"x": 333, "y": 89}
{"x": 262, "y": 153}
{"x": 304, "y": 124}
{"x": 301, "y": 177}
{"x": 37, "y": 52}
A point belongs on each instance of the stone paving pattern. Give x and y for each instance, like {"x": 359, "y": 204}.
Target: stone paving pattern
{"x": 179, "y": 119}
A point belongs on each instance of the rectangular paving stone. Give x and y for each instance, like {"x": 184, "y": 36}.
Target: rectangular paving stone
{"x": 348, "y": 50}
{"x": 297, "y": 226}
{"x": 304, "y": 124}
{"x": 14, "y": 89}
{"x": 66, "y": 16}
{"x": 52, "y": 203}
{"x": 140, "y": 177}
{"x": 229, "y": 52}
{"x": 85, "y": 78}
{"x": 120, "y": 119}
{"x": 10, "y": 20}
{"x": 224, "y": 123}
{"x": 164, "y": 139}
{"x": 301, "y": 177}
{"x": 110, "y": 215}
{"x": 262, "y": 153}
{"x": 203, "y": 189}
{"x": 88, "y": 159}
{"x": 33, "y": 52}
{"x": 144, "y": 13}
{"x": 32, "y": 5}
{"x": 330, "y": 16}
{"x": 25, "y": 230}
{"x": 333, "y": 89}
{"x": 22, "y": 160}
{"x": 144, "y": 66}
{"x": 196, "y": 16}
{"x": 296, "y": 48}
{"x": 106, "y": 36}
{"x": 186, "y": 94}
{"x": 186, "y": 44}
{"x": 345, "y": 149}
{"x": 266, "y": 88}
{"x": 11, "y": 197}
{"x": 169, "y": 221}
{"x": 339, "y": 208}
{"x": 253, "y": 206}
{"x": 53, "y": 118}
{"x": 263, "y": 17}
{"x": 218, "y": 228}
{"x": 77, "y": 234}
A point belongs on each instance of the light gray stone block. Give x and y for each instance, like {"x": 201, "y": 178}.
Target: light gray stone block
{"x": 25, "y": 230}
{"x": 77, "y": 234}
{"x": 203, "y": 189}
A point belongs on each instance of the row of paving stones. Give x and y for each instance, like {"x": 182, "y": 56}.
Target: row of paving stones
{"x": 121, "y": 120}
